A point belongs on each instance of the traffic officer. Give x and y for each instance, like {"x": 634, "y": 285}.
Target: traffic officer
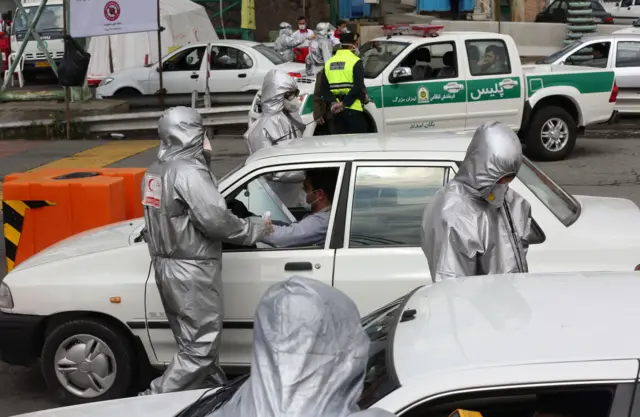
{"x": 343, "y": 87}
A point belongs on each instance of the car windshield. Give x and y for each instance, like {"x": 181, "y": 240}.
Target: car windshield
{"x": 51, "y": 19}
{"x": 562, "y": 204}
{"x": 558, "y": 54}
{"x": 377, "y": 55}
{"x": 271, "y": 54}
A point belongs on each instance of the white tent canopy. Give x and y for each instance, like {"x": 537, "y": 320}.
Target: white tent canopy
{"x": 184, "y": 22}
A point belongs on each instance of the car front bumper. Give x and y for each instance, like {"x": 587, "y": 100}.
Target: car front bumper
{"x": 19, "y": 336}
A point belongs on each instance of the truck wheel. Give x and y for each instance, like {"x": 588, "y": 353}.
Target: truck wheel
{"x": 552, "y": 134}
{"x": 87, "y": 360}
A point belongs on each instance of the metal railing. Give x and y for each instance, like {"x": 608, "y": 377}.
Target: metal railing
{"x": 122, "y": 122}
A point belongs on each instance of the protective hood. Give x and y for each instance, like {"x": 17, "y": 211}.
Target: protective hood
{"x": 181, "y": 134}
{"x": 322, "y": 29}
{"x": 275, "y": 85}
{"x": 494, "y": 152}
{"x": 285, "y": 29}
{"x": 309, "y": 355}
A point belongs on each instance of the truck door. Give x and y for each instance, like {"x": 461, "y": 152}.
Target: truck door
{"x": 494, "y": 87}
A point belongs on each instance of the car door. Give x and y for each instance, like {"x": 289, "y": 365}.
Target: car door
{"x": 248, "y": 272}
{"x": 181, "y": 72}
{"x": 597, "y": 388}
{"x": 381, "y": 258}
{"x": 627, "y": 68}
{"x": 433, "y": 97}
{"x": 231, "y": 69}
{"x": 494, "y": 89}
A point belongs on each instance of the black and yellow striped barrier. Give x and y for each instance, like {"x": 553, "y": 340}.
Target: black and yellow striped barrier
{"x": 14, "y": 213}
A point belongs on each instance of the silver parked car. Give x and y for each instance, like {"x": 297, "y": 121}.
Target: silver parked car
{"x": 618, "y": 51}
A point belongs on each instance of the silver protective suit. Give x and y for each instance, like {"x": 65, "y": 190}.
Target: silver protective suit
{"x": 319, "y": 50}
{"x": 277, "y": 126}
{"x": 186, "y": 224}
{"x": 474, "y": 226}
{"x": 309, "y": 356}
{"x": 286, "y": 42}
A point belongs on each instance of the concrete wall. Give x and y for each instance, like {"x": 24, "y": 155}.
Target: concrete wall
{"x": 532, "y": 39}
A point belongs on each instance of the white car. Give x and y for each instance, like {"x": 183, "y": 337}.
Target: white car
{"x": 620, "y": 52}
{"x": 235, "y": 66}
{"x": 97, "y": 288}
{"x": 500, "y": 345}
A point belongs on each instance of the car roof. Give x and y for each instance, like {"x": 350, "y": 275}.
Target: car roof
{"x": 445, "y": 36}
{"x": 612, "y": 36}
{"x": 521, "y": 319}
{"x": 224, "y": 41}
{"x": 353, "y": 145}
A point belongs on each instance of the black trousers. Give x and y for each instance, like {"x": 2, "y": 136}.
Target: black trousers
{"x": 348, "y": 121}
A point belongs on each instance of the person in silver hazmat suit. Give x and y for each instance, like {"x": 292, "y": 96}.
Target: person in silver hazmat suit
{"x": 279, "y": 123}
{"x": 320, "y": 49}
{"x": 310, "y": 356}
{"x": 286, "y": 42}
{"x": 476, "y": 224}
{"x": 187, "y": 220}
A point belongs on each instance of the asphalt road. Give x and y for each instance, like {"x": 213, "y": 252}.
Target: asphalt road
{"x": 604, "y": 167}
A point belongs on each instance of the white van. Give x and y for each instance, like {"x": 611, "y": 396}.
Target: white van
{"x": 50, "y": 27}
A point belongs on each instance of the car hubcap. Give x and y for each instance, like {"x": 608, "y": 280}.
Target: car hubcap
{"x": 554, "y": 135}
{"x": 85, "y": 366}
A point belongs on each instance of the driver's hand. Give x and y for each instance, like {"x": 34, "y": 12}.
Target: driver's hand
{"x": 268, "y": 226}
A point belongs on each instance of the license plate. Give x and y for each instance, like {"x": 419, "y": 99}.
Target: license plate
{"x": 42, "y": 64}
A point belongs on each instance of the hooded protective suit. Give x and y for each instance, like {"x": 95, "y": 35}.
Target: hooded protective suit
{"x": 286, "y": 42}
{"x": 309, "y": 356}
{"x": 187, "y": 220}
{"x": 280, "y": 123}
{"x": 319, "y": 49}
{"x": 474, "y": 226}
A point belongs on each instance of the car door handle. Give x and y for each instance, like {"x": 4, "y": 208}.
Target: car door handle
{"x": 298, "y": 266}
{"x": 508, "y": 83}
{"x": 194, "y": 76}
{"x": 242, "y": 75}
{"x": 453, "y": 87}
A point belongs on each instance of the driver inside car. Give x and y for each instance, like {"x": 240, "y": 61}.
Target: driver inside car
{"x": 319, "y": 187}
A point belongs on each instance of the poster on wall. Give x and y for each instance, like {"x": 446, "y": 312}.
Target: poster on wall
{"x": 112, "y": 17}
{"x": 248, "y": 15}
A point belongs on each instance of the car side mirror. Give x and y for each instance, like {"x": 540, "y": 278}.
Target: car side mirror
{"x": 401, "y": 74}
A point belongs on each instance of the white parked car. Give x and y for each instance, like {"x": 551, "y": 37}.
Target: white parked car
{"x": 499, "y": 345}
{"x": 96, "y": 290}
{"x": 619, "y": 51}
{"x": 549, "y": 106}
{"x": 235, "y": 66}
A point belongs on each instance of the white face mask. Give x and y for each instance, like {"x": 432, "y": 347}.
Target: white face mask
{"x": 302, "y": 27}
{"x": 292, "y": 106}
{"x": 497, "y": 195}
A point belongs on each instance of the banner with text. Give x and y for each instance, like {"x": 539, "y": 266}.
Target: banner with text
{"x": 112, "y": 17}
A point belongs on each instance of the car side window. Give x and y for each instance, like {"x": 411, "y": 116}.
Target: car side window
{"x": 225, "y": 58}
{"x": 389, "y": 202}
{"x": 488, "y": 57}
{"x": 431, "y": 62}
{"x": 188, "y": 60}
{"x": 596, "y": 6}
{"x": 283, "y": 195}
{"x": 626, "y": 3}
{"x": 628, "y": 54}
{"x": 593, "y": 55}
{"x": 551, "y": 401}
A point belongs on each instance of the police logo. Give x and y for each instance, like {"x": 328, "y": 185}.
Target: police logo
{"x": 423, "y": 95}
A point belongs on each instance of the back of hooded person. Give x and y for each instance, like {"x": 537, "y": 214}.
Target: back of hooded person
{"x": 474, "y": 225}
{"x": 279, "y": 124}
{"x": 310, "y": 355}
{"x": 320, "y": 49}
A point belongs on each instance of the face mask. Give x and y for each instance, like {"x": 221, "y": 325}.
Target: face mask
{"x": 302, "y": 27}
{"x": 497, "y": 194}
{"x": 309, "y": 205}
{"x": 344, "y": 30}
{"x": 292, "y": 106}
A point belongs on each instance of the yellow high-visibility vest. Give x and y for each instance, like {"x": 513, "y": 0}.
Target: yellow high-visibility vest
{"x": 339, "y": 73}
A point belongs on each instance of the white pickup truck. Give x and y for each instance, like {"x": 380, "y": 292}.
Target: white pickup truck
{"x": 462, "y": 87}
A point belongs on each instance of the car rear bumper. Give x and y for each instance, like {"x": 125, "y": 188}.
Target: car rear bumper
{"x": 18, "y": 338}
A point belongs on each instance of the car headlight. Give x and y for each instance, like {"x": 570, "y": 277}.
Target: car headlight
{"x": 6, "y": 301}
{"x": 106, "y": 81}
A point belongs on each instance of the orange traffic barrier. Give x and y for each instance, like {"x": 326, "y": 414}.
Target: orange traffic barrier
{"x": 43, "y": 207}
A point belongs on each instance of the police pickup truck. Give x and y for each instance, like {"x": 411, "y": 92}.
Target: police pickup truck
{"x": 422, "y": 79}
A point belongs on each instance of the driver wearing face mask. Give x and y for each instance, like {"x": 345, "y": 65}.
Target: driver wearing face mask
{"x": 476, "y": 224}
{"x": 319, "y": 187}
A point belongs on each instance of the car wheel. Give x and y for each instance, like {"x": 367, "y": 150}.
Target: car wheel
{"x": 87, "y": 360}
{"x": 552, "y": 134}
{"x": 126, "y": 92}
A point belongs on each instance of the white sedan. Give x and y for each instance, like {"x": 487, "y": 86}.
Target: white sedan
{"x": 234, "y": 66}
{"x": 96, "y": 290}
{"x": 505, "y": 346}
